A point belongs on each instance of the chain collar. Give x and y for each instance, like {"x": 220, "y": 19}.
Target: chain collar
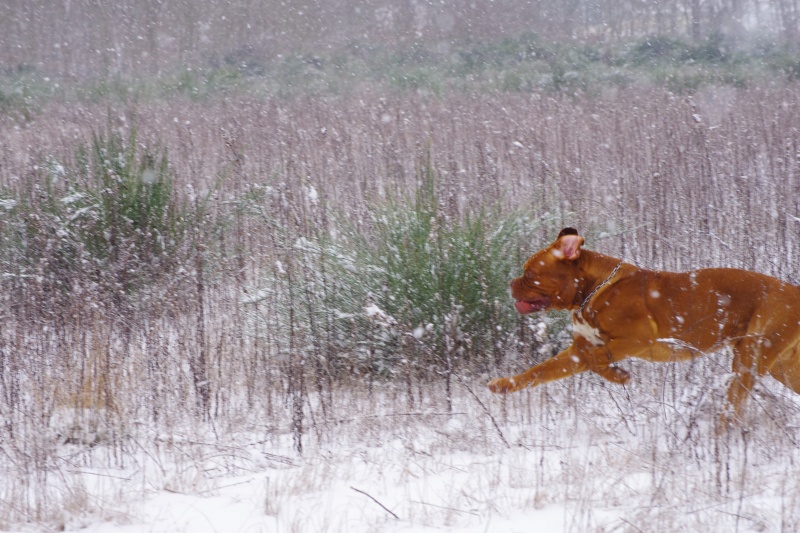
{"x": 606, "y": 282}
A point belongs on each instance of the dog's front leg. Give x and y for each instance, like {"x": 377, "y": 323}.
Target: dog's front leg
{"x": 579, "y": 357}
{"x": 600, "y": 360}
{"x": 565, "y": 364}
{"x": 613, "y": 374}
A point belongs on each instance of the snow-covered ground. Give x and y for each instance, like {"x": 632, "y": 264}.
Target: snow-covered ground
{"x": 578, "y": 455}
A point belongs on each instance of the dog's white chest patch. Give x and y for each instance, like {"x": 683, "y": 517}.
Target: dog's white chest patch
{"x": 587, "y": 332}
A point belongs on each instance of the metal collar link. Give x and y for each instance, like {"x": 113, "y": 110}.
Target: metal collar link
{"x": 607, "y": 280}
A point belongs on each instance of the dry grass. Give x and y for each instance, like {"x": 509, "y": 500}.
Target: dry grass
{"x": 663, "y": 181}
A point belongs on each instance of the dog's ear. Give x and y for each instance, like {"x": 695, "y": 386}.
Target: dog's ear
{"x": 568, "y": 245}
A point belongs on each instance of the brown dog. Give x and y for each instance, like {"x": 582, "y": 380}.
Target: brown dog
{"x": 620, "y": 311}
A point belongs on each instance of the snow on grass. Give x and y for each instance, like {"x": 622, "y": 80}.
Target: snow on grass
{"x": 582, "y": 455}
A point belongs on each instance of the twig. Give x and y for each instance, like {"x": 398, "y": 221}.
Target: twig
{"x": 99, "y": 474}
{"x": 245, "y": 482}
{"x": 388, "y": 415}
{"x": 473, "y": 513}
{"x": 488, "y": 413}
{"x": 632, "y": 525}
{"x": 376, "y": 501}
{"x": 278, "y": 459}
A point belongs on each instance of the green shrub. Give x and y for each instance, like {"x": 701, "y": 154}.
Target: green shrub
{"x": 22, "y": 89}
{"x": 445, "y": 279}
{"x": 712, "y": 50}
{"x": 128, "y": 200}
{"x": 415, "y": 290}
{"x": 652, "y": 49}
{"x": 110, "y": 220}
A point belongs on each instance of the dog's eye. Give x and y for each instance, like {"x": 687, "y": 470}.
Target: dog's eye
{"x": 531, "y": 277}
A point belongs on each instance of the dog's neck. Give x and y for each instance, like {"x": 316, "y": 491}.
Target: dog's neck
{"x": 598, "y": 269}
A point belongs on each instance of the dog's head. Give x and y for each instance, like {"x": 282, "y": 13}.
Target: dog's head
{"x": 551, "y": 276}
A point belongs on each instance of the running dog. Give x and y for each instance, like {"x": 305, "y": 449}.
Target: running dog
{"x": 620, "y": 311}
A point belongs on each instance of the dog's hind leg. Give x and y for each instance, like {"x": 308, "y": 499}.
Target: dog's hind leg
{"x": 786, "y": 367}
{"x": 749, "y": 357}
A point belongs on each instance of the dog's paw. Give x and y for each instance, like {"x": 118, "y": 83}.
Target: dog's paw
{"x": 502, "y": 385}
{"x": 728, "y": 421}
{"x": 614, "y": 374}
{"x": 623, "y": 376}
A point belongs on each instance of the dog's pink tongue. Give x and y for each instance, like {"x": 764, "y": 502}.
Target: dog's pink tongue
{"x": 523, "y": 307}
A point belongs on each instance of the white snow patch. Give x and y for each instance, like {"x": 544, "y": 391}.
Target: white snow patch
{"x": 312, "y": 195}
{"x": 7, "y": 203}
{"x": 379, "y": 315}
{"x": 148, "y": 176}
{"x": 72, "y": 198}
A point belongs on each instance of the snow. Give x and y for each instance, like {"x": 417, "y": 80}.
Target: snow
{"x": 255, "y": 502}
{"x": 379, "y": 315}
{"x": 7, "y": 203}
{"x": 576, "y": 455}
{"x": 148, "y": 176}
{"x": 312, "y": 194}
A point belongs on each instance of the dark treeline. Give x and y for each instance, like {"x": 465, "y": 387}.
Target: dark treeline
{"x": 73, "y": 40}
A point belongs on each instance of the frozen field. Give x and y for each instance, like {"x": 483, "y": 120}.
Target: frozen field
{"x": 572, "y": 456}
